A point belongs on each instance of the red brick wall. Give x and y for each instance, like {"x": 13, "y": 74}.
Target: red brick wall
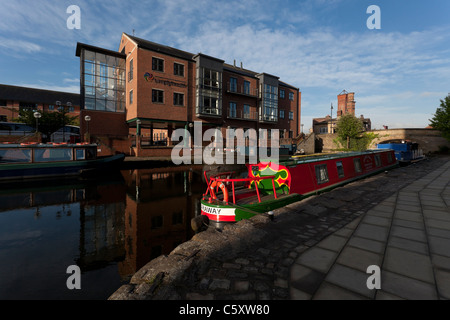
{"x": 346, "y": 104}
{"x": 166, "y": 110}
{"x": 104, "y": 123}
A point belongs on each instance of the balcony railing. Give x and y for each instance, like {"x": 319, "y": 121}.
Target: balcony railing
{"x": 205, "y": 111}
{"x": 268, "y": 118}
{"x": 240, "y": 114}
{"x": 242, "y": 90}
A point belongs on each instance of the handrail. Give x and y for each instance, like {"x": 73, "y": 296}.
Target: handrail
{"x": 233, "y": 180}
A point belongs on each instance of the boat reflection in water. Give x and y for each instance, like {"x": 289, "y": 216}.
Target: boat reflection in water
{"x": 109, "y": 227}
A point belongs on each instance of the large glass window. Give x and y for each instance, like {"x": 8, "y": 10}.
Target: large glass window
{"x": 103, "y": 81}
{"x": 269, "y": 103}
{"x": 209, "y": 92}
{"x": 15, "y": 155}
{"x": 56, "y": 154}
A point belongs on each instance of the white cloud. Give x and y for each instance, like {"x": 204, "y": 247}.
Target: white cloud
{"x": 49, "y": 86}
{"x": 13, "y": 47}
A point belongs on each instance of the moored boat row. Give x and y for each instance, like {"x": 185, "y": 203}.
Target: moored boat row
{"x": 32, "y": 160}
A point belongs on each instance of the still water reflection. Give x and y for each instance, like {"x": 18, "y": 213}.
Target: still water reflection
{"x": 109, "y": 227}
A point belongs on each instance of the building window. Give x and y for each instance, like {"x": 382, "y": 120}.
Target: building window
{"x": 157, "y": 64}
{"x": 281, "y": 134}
{"x": 232, "y": 113}
{"x": 211, "y": 106}
{"x": 209, "y": 92}
{"x": 177, "y": 217}
{"x": 130, "y": 73}
{"x": 323, "y": 130}
{"x": 321, "y": 173}
{"x": 3, "y": 118}
{"x": 233, "y": 84}
{"x": 51, "y": 107}
{"x": 269, "y": 103}
{"x": 157, "y": 222}
{"x": 210, "y": 79}
{"x": 340, "y": 169}
{"x": 246, "y": 111}
{"x": 247, "y": 87}
{"x": 157, "y": 96}
{"x": 281, "y": 114}
{"x": 291, "y": 96}
{"x": 357, "y": 164}
{"x": 131, "y": 96}
{"x": 178, "y": 69}
{"x": 178, "y": 99}
{"x": 291, "y": 134}
{"x": 291, "y": 115}
{"x": 282, "y": 93}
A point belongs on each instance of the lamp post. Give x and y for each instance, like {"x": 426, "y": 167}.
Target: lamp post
{"x": 87, "y": 135}
{"x": 37, "y": 115}
{"x": 331, "y": 123}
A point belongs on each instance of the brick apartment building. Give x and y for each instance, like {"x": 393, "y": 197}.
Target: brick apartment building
{"x": 148, "y": 90}
{"x": 15, "y": 98}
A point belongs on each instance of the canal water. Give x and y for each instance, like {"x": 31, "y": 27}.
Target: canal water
{"x": 109, "y": 227}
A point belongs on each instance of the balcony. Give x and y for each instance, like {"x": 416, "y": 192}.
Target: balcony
{"x": 242, "y": 90}
{"x": 208, "y": 112}
{"x": 268, "y": 118}
{"x": 241, "y": 115}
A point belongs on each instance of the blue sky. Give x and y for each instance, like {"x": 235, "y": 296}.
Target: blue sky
{"x": 398, "y": 73}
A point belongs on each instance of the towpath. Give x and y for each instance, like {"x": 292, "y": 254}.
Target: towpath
{"x": 321, "y": 247}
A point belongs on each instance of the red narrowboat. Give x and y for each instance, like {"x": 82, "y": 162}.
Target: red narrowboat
{"x": 270, "y": 185}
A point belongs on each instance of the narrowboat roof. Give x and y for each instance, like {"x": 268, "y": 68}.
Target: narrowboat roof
{"x": 329, "y": 156}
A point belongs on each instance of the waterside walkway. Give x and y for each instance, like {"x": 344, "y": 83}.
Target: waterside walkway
{"x": 407, "y": 236}
{"x": 321, "y": 247}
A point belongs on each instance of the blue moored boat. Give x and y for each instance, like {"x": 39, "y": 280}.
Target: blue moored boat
{"x": 405, "y": 152}
{"x": 32, "y": 160}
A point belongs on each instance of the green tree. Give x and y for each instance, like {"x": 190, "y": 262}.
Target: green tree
{"x": 348, "y": 127}
{"x": 49, "y": 121}
{"x": 351, "y": 135}
{"x": 441, "y": 119}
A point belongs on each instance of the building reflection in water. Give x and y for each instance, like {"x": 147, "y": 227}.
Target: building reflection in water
{"x": 124, "y": 220}
{"x": 159, "y": 208}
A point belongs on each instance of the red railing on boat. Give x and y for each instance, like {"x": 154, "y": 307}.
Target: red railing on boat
{"x": 217, "y": 178}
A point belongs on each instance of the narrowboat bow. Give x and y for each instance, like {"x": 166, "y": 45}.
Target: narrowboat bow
{"x": 270, "y": 185}
{"x": 28, "y": 160}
